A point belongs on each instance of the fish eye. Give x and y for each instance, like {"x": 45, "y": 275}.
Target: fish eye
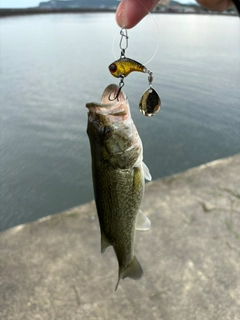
{"x": 113, "y": 67}
{"x": 106, "y": 131}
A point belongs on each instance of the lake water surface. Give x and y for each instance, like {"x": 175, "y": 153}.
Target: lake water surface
{"x": 51, "y": 65}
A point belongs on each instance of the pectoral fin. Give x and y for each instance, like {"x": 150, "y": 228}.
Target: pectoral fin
{"x": 142, "y": 223}
{"x": 104, "y": 242}
{"x": 146, "y": 173}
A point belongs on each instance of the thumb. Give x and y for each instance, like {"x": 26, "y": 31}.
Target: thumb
{"x": 130, "y": 12}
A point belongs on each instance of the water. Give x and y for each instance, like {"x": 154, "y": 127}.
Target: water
{"x": 51, "y": 65}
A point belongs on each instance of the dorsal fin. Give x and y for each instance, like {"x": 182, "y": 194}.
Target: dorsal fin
{"x": 142, "y": 222}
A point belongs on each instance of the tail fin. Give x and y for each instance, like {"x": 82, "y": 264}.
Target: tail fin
{"x": 133, "y": 271}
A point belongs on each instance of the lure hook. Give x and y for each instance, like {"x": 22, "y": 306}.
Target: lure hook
{"x": 121, "y": 84}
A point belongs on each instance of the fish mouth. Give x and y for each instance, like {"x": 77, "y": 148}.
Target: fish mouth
{"x": 115, "y": 110}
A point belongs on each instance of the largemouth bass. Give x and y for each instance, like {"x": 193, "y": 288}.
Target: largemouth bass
{"x": 118, "y": 177}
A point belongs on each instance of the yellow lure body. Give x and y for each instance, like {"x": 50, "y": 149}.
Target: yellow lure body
{"x": 123, "y": 66}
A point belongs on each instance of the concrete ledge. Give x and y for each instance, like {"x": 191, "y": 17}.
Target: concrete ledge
{"x": 53, "y": 269}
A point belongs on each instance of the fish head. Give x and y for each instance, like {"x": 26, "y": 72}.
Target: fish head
{"x": 112, "y": 133}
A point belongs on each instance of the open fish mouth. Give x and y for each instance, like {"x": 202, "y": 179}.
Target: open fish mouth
{"x": 116, "y": 110}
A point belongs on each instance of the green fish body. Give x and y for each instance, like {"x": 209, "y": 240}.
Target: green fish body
{"x": 118, "y": 178}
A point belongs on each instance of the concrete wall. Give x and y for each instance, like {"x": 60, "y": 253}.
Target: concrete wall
{"x": 53, "y": 269}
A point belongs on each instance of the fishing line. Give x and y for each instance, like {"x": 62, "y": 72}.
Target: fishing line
{"x": 156, "y": 36}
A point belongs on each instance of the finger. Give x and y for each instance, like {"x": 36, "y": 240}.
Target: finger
{"x": 130, "y": 12}
{"x": 216, "y": 5}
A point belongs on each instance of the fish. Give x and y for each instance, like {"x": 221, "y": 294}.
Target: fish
{"x": 119, "y": 174}
{"x": 123, "y": 66}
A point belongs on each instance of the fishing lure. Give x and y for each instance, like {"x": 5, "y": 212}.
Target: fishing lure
{"x": 150, "y": 101}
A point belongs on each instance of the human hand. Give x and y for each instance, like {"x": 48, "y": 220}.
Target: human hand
{"x": 130, "y": 12}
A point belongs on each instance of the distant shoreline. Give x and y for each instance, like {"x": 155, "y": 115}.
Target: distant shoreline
{"x": 31, "y": 11}
{"x": 15, "y": 12}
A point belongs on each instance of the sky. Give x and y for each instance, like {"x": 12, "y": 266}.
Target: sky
{"x": 35, "y": 3}
{"x": 19, "y": 3}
